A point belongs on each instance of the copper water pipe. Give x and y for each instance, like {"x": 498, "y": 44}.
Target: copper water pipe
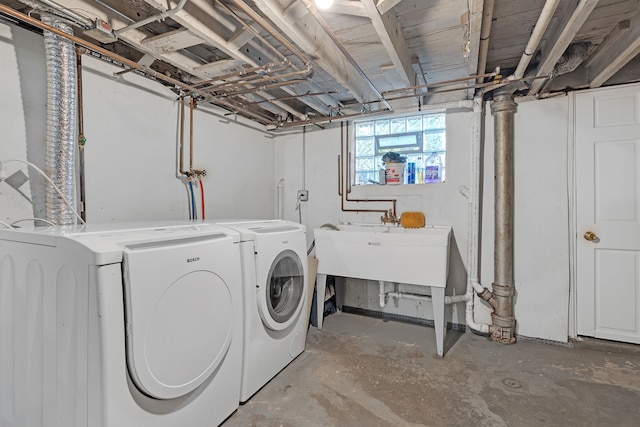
{"x": 263, "y": 87}
{"x": 259, "y": 79}
{"x": 240, "y": 73}
{"x": 285, "y": 98}
{"x": 445, "y": 82}
{"x": 132, "y": 64}
{"x": 182, "y": 171}
{"x": 332, "y": 118}
{"x": 344, "y": 195}
{"x": 271, "y": 67}
{"x": 491, "y": 85}
{"x": 268, "y": 27}
{"x": 340, "y": 173}
{"x": 192, "y": 105}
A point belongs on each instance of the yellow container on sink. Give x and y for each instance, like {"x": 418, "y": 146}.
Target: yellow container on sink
{"x": 412, "y": 220}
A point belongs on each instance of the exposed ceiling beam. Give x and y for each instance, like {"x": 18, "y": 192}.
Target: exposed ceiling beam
{"x": 302, "y": 28}
{"x": 349, "y": 7}
{"x": 616, "y": 55}
{"x": 390, "y": 32}
{"x": 172, "y": 41}
{"x": 246, "y": 36}
{"x": 204, "y": 26}
{"x": 198, "y": 26}
{"x": 136, "y": 39}
{"x": 568, "y": 25}
{"x": 485, "y": 35}
{"x": 385, "y": 6}
{"x": 621, "y": 29}
{"x": 476, "y": 8}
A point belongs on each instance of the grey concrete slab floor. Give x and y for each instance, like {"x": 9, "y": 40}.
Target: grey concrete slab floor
{"x": 361, "y": 371}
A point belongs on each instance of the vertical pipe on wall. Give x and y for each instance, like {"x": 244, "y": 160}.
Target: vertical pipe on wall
{"x": 61, "y": 120}
{"x": 473, "y": 281}
{"x": 81, "y": 138}
{"x": 503, "y": 109}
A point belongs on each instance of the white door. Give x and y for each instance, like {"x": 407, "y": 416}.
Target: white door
{"x": 608, "y": 213}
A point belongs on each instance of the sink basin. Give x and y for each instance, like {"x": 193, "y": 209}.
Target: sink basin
{"x": 417, "y": 256}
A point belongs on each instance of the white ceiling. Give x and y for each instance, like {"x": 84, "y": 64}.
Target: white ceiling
{"x": 286, "y": 63}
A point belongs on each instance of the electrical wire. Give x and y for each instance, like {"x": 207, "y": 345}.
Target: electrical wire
{"x": 202, "y": 197}
{"x": 193, "y": 202}
{"x": 189, "y": 201}
{"x": 34, "y": 219}
{"x": 5, "y": 224}
{"x": 55, "y": 187}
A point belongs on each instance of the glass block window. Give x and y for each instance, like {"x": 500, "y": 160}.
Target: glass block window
{"x": 419, "y": 139}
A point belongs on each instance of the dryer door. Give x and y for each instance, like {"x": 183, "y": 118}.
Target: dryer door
{"x": 280, "y": 296}
{"x": 179, "y": 313}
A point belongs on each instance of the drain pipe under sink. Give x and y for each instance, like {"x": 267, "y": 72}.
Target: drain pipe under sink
{"x": 416, "y": 297}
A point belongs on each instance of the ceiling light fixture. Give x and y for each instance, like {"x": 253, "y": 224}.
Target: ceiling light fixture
{"x": 324, "y": 4}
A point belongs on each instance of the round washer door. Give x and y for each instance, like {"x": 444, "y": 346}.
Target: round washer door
{"x": 280, "y": 296}
{"x": 177, "y": 333}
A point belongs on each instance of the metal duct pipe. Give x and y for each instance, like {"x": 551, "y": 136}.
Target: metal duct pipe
{"x": 502, "y": 329}
{"x": 61, "y": 120}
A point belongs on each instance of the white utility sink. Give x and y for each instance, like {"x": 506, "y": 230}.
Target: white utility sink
{"x": 417, "y": 256}
{"x": 387, "y": 253}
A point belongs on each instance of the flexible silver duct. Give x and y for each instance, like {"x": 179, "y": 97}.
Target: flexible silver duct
{"x": 61, "y": 121}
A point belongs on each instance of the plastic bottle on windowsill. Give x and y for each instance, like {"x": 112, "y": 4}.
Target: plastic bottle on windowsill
{"x": 433, "y": 169}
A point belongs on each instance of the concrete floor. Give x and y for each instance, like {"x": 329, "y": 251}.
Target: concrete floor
{"x": 360, "y": 371}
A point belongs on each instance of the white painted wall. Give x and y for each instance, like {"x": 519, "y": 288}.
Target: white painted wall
{"x": 441, "y": 203}
{"x": 131, "y": 125}
{"x": 22, "y": 115}
{"x": 541, "y": 222}
{"x": 541, "y": 212}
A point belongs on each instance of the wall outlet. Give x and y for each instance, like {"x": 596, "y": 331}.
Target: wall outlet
{"x": 303, "y": 195}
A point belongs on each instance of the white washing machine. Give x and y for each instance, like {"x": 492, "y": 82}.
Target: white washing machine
{"x": 120, "y": 325}
{"x": 274, "y": 273}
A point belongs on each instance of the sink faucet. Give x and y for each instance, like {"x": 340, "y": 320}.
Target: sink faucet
{"x": 389, "y": 217}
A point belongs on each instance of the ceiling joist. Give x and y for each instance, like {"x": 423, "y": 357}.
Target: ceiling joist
{"x": 349, "y": 7}
{"x": 390, "y": 32}
{"x": 572, "y": 19}
{"x": 385, "y": 6}
{"x": 476, "y": 13}
{"x": 615, "y": 54}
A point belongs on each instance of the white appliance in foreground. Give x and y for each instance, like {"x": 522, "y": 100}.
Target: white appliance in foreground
{"x": 274, "y": 272}
{"x": 120, "y": 325}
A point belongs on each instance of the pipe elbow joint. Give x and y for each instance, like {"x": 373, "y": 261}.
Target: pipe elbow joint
{"x": 488, "y": 296}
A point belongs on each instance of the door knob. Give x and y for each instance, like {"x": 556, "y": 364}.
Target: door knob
{"x": 590, "y": 236}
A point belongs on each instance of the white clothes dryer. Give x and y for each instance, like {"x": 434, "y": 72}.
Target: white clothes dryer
{"x": 120, "y": 325}
{"x": 274, "y": 273}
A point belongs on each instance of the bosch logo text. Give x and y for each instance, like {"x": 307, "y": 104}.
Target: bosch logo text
{"x": 194, "y": 259}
